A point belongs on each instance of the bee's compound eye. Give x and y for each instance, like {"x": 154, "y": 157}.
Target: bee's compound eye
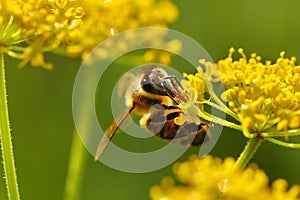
{"x": 152, "y": 87}
{"x": 153, "y": 81}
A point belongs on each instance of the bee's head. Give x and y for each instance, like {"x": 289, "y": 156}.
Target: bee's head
{"x": 157, "y": 81}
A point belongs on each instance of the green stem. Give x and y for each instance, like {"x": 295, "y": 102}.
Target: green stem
{"x": 5, "y": 138}
{"x": 248, "y": 152}
{"x": 225, "y": 110}
{"x": 284, "y": 144}
{"x": 292, "y": 132}
{"x": 219, "y": 102}
{"x": 220, "y": 121}
{"x": 75, "y": 169}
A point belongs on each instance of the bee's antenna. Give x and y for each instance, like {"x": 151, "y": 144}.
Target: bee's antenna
{"x": 175, "y": 90}
{"x": 174, "y": 78}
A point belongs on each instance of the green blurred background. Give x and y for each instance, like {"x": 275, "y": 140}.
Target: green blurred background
{"x": 41, "y": 114}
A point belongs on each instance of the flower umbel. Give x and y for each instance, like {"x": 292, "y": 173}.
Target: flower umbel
{"x": 211, "y": 178}
{"x": 73, "y": 27}
{"x": 30, "y": 28}
{"x": 263, "y": 97}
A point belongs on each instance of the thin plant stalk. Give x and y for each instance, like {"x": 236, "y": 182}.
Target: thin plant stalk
{"x": 76, "y": 168}
{"x": 6, "y": 141}
{"x": 248, "y": 153}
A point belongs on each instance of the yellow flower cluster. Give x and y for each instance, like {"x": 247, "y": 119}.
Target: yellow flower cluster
{"x": 263, "y": 97}
{"x": 197, "y": 83}
{"x": 266, "y": 96}
{"x": 196, "y": 87}
{"x": 73, "y": 27}
{"x": 211, "y": 178}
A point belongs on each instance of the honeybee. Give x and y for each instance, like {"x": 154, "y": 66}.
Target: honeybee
{"x": 156, "y": 96}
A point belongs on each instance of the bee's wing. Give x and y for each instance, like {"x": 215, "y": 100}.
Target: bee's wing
{"x": 110, "y": 132}
{"x": 125, "y": 83}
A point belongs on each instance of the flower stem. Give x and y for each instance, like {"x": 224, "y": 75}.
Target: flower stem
{"x": 75, "y": 169}
{"x": 284, "y": 144}
{"x": 248, "y": 152}
{"x": 5, "y": 138}
{"x": 225, "y": 110}
{"x": 220, "y": 121}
